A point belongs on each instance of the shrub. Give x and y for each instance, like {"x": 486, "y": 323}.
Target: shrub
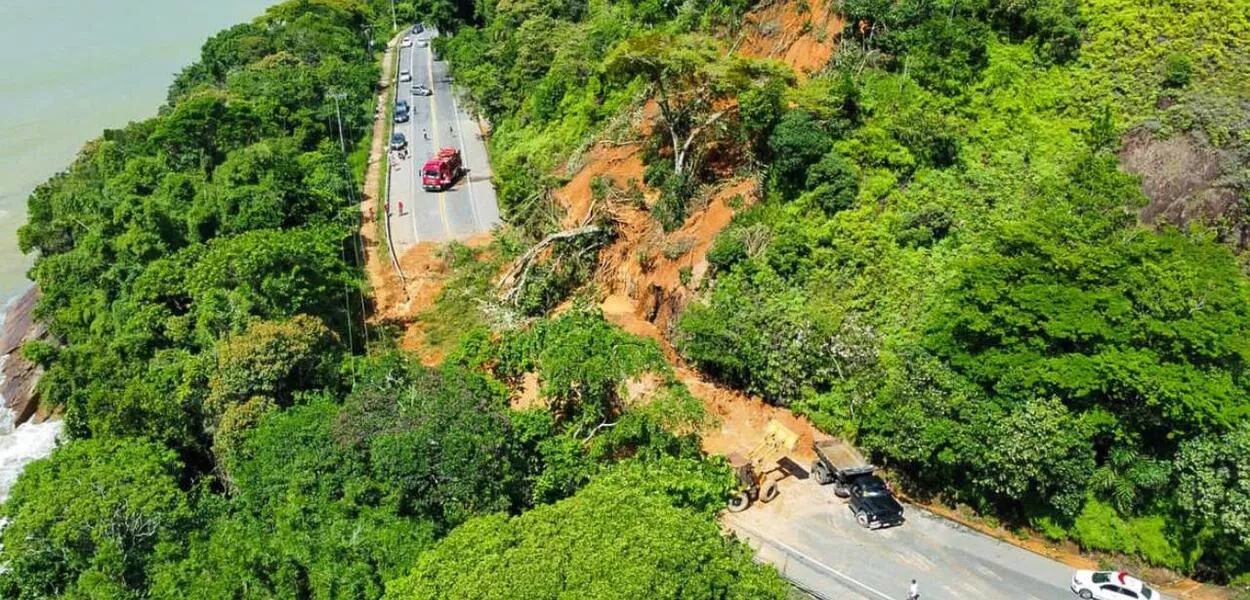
{"x": 1178, "y": 70}
{"x": 833, "y": 182}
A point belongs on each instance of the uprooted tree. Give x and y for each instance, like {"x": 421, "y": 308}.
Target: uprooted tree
{"x": 695, "y": 83}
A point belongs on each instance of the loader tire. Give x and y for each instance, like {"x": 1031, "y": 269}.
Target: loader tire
{"x": 739, "y": 502}
{"x": 769, "y": 492}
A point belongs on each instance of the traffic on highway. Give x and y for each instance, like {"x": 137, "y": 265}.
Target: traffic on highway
{"x": 440, "y": 186}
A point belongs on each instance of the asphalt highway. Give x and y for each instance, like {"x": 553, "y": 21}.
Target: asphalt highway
{"x": 811, "y": 536}
{"x": 438, "y": 121}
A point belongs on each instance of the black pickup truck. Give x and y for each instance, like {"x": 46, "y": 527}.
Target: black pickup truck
{"x": 838, "y": 462}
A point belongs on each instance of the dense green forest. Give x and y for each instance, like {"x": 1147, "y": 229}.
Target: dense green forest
{"x": 235, "y": 428}
{"x": 948, "y": 266}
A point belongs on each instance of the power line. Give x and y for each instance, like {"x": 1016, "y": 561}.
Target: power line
{"x": 357, "y": 251}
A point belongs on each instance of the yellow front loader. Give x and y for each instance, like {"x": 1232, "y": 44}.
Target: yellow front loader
{"x": 760, "y": 469}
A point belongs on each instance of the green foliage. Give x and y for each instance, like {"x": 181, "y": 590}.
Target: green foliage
{"x": 774, "y": 344}
{"x": 440, "y": 440}
{"x": 833, "y": 182}
{"x": 608, "y": 396}
{"x": 1069, "y": 306}
{"x": 798, "y": 142}
{"x": 228, "y": 207}
{"x": 1099, "y": 527}
{"x": 1213, "y": 490}
{"x": 760, "y": 109}
{"x": 1178, "y": 71}
{"x": 306, "y": 520}
{"x": 271, "y": 360}
{"x": 950, "y": 187}
{"x": 582, "y": 363}
{"x": 92, "y": 516}
{"x": 613, "y": 539}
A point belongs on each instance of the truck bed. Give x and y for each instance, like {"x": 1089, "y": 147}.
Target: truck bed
{"x": 842, "y": 456}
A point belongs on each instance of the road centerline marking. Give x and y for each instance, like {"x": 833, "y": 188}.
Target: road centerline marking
{"x": 442, "y": 206}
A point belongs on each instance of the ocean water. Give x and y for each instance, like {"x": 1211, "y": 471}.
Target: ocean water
{"x": 68, "y": 70}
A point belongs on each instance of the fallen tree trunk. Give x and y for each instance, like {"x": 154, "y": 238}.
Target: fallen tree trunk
{"x": 514, "y": 280}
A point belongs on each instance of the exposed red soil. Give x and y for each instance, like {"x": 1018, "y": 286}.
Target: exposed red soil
{"x": 640, "y": 276}
{"x": 801, "y": 33}
{"x": 619, "y": 164}
{"x": 740, "y": 419}
{"x": 426, "y": 273}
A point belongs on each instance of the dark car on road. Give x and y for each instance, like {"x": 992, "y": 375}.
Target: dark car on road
{"x": 398, "y": 141}
{"x": 872, "y": 503}
{"x": 401, "y": 111}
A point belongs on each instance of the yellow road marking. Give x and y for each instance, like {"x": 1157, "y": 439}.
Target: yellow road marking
{"x": 442, "y": 207}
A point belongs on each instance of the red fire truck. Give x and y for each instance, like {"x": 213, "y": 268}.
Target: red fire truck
{"x": 440, "y": 172}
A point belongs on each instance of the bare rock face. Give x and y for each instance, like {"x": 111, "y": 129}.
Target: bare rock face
{"x": 18, "y": 376}
{"x": 1184, "y": 178}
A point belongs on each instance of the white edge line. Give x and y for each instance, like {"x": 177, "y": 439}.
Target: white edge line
{"x": 468, "y": 180}
{"x": 812, "y": 561}
{"x": 412, "y": 132}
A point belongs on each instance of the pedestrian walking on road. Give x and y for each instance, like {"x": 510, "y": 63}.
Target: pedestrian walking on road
{"x": 913, "y": 592}
{"x": 401, "y": 212}
{"x": 425, "y": 135}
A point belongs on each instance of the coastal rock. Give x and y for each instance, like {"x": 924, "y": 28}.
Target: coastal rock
{"x": 18, "y": 376}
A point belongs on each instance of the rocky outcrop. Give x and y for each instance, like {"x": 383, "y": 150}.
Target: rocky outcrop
{"x": 18, "y": 376}
{"x": 1187, "y": 180}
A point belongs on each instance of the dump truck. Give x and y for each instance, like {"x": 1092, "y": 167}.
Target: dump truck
{"x": 440, "y": 172}
{"x": 871, "y": 501}
{"x": 838, "y": 462}
{"x": 759, "y": 470}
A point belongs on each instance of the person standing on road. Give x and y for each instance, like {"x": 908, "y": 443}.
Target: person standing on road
{"x": 913, "y": 592}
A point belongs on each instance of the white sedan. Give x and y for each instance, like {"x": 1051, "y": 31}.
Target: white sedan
{"x": 405, "y": 76}
{"x": 1111, "y": 585}
{"x": 407, "y": 43}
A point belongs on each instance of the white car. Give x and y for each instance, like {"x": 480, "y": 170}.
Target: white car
{"x": 407, "y": 43}
{"x": 423, "y": 44}
{"x": 405, "y": 76}
{"x": 1111, "y": 585}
